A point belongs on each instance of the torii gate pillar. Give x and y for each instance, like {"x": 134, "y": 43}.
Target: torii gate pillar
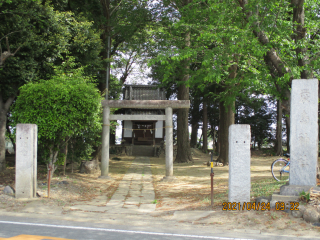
{"x": 105, "y": 143}
{"x": 169, "y": 143}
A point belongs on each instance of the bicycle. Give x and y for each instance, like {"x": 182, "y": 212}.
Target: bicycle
{"x": 280, "y": 168}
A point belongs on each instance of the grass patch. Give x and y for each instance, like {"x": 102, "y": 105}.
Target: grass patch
{"x": 206, "y": 200}
{"x": 265, "y": 187}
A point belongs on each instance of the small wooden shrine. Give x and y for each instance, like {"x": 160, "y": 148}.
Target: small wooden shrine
{"x": 143, "y": 132}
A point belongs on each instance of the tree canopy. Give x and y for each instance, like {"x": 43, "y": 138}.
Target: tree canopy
{"x": 63, "y": 107}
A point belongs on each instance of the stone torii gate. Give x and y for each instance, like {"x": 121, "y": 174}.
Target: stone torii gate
{"x": 168, "y": 105}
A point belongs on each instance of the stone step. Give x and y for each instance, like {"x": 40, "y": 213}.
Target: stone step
{"x": 284, "y": 198}
{"x": 147, "y": 151}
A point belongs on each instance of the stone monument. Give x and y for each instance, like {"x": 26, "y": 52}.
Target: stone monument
{"x": 26, "y": 160}
{"x": 304, "y": 132}
{"x": 239, "y": 163}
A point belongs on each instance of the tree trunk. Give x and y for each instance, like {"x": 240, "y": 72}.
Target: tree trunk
{"x": 11, "y": 138}
{"x": 278, "y": 142}
{"x": 52, "y": 160}
{"x": 3, "y": 121}
{"x": 194, "y": 135}
{"x": 205, "y": 127}
{"x": 65, "y": 152}
{"x": 97, "y": 153}
{"x": 72, "y": 160}
{"x": 199, "y": 142}
{"x": 183, "y": 144}
{"x": 226, "y": 119}
{"x": 299, "y": 34}
{"x": 4, "y": 108}
{"x": 273, "y": 60}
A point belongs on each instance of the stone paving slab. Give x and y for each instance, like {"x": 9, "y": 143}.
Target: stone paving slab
{"x": 115, "y": 204}
{"x": 150, "y": 197}
{"x": 134, "y": 195}
{"x": 147, "y": 207}
{"x": 118, "y": 197}
{"x": 136, "y": 187}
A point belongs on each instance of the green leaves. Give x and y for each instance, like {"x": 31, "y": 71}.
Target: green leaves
{"x": 65, "y": 106}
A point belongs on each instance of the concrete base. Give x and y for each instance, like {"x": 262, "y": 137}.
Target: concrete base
{"x": 284, "y": 198}
{"x": 168, "y": 179}
{"x": 295, "y": 190}
{"x": 105, "y": 177}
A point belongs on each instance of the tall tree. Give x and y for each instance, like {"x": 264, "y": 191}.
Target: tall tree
{"x": 45, "y": 38}
{"x": 288, "y": 56}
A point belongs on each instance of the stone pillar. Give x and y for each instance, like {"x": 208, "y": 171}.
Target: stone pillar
{"x": 239, "y": 163}
{"x": 26, "y": 160}
{"x": 105, "y": 143}
{"x": 169, "y": 143}
{"x": 304, "y": 132}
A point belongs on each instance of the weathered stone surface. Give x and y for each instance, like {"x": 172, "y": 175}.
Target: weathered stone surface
{"x": 138, "y": 117}
{"x": 239, "y": 163}
{"x": 26, "y": 160}
{"x": 89, "y": 166}
{"x": 169, "y": 179}
{"x": 273, "y": 203}
{"x": 169, "y": 143}
{"x": 105, "y": 143}
{"x": 304, "y": 132}
{"x": 293, "y": 190}
{"x": 311, "y": 215}
{"x": 262, "y": 200}
{"x": 318, "y": 208}
{"x": 146, "y": 104}
{"x": 8, "y": 190}
{"x": 297, "y": 214}
{"x": 302, "y": 208}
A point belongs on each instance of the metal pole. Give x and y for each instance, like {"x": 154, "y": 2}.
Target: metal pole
{"x": 49, "y": 178}
{"x": 211, "y": 175}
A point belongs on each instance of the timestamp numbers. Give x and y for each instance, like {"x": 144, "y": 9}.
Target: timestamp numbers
{"x": 237, "y": 206}
{"x": 281, "y": 206}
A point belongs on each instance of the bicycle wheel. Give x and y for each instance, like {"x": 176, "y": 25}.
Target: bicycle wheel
{"x": 280, "y": 170}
